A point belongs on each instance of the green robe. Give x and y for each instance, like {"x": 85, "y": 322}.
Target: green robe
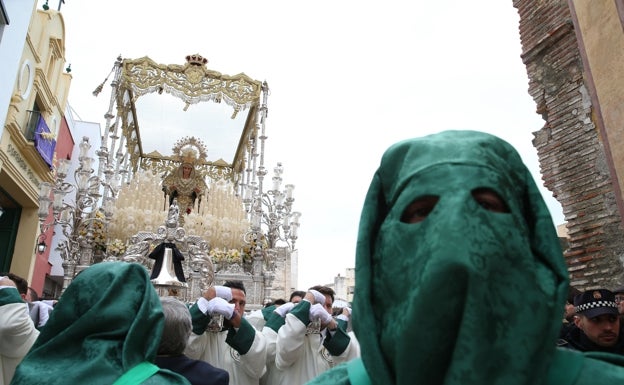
{"x": 106, "y": 322}
{"x": 468, "y": 295}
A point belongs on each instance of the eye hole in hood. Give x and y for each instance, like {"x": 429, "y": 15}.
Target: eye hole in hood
{"x": 421, "y": 207}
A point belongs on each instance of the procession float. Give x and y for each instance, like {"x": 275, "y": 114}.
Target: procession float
{"x": 179, "y": 184}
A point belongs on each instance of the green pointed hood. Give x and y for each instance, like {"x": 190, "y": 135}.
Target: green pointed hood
{"x": 107, "y": 321}
{"x": 467, "y": 296}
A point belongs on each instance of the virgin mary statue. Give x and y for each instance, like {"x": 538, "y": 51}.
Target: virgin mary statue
{"x": 185, "y": 184}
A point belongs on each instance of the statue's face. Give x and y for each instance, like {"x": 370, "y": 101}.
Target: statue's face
{"x": 186, "y": 171}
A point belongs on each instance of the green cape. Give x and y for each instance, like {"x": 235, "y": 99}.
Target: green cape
{"x": 106, "y": 322}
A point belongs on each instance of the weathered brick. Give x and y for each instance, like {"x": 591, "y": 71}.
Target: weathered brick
{"x": 570, "y": 153}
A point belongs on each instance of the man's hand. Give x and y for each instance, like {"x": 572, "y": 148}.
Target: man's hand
{"x": 314, "y": 296}
{"x": 218, "y": 305}
{"x": 218, "y": 291}
{"x": 284, "y": 309}
{"x": 346, "y": 314}
{"x": 317, "y": 311}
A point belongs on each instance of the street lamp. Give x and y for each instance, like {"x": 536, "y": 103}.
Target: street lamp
{"x": 41, "y": 246}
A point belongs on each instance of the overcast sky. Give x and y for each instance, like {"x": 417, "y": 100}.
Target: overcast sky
{"x": 346, "y": 78}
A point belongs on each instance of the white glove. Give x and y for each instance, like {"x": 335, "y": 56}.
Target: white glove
{"x": 224, "y": 292}
{"x": 284, "y": 309}
{"x": 317, "y": 311}
{"x": 318, "y": 297}
{"x": 220, "y": 306}
{"x": 343, "y": 316}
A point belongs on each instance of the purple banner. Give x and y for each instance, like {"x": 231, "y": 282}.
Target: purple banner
{"x": 43, "y": 141}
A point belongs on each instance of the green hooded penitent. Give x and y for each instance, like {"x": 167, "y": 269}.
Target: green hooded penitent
{"x": 467, "y": 295}
{"x": 108, "y": 321}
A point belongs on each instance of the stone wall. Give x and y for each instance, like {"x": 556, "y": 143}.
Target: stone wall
{"x": 282, "y": 285}
{"x": 573, "y": 161}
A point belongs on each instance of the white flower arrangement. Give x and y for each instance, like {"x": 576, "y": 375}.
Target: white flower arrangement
{"x": 97, "y": 230}
{"x": 116, "y": 247}
{"x": 228, "y": 256}
{"x": 99, "y": 236}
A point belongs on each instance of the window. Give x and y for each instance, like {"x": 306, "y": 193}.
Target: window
{"x": 33, "y": 119}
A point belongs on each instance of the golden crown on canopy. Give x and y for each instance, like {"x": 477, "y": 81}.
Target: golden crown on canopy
{"x": 196, "y": 59}
{"x": 190, "y": 150}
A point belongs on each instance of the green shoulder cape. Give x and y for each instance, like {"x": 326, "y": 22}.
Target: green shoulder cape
{"x": 107, "y": 321}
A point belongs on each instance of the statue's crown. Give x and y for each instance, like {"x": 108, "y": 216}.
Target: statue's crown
{"x": 188, "y": 156}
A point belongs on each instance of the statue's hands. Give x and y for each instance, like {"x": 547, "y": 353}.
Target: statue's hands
{"x": 197, "y": 190}
{"x": 173, "y": 188}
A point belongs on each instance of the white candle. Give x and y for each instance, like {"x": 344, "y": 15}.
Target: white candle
{"x": 289, "y": 191}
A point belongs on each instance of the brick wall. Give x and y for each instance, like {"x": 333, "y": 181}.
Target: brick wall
{"x": 572, "y": 158}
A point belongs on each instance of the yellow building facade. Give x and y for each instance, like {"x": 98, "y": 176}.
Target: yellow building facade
{"x": 38, "y": 100}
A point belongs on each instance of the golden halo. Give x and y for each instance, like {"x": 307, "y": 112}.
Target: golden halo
{"x": 190, "y": 150}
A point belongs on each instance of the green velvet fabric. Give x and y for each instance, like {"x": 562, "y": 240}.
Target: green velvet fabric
{"x": 10, "y": 295}
{"x": 242, "y": 339}
{"x": 466, "y": 296}
{"x": 199, "y": 319}
{"x": 337, "y": 343}
{"x": 105, "y": 323}
{"x": 275, "y": 321}
{"x": 267, "y": 311}
{"x": 302, "y": 311}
